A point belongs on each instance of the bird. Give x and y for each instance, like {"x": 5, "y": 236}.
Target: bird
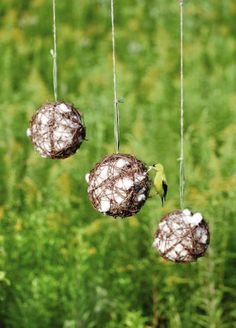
{"x": 160, "y": 182}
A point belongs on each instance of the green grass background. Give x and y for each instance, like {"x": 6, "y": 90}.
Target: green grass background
{"x": 62, "y": 263}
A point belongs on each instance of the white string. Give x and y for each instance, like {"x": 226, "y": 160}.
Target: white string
{"x": 116, "y": 101}
{"x": 181, "y": 159}
{"x": 54, "y": 50}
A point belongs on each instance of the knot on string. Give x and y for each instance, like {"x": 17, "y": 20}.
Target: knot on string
{"x": 53, "y": 53}
{"x": 119, "y": 101}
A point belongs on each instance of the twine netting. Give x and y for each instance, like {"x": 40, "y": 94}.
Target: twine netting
{"x": 118, "y": 185}
{"x": 182, "y": 236}
{"x": 56, "y": 130}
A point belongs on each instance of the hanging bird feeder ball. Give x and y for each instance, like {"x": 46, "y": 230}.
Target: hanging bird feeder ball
{"x": 56, "y": 130}
{"x": 182, "y": 236}
{"x": 118, "y": 185}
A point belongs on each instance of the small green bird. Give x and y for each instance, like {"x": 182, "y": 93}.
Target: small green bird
{"x": 160, "y": 182}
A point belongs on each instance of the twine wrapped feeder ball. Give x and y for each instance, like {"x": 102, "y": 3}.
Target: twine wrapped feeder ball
{"x": 182, "y": 236}
{"x": 118, "y": 185}
{"x": 56, "y": 130}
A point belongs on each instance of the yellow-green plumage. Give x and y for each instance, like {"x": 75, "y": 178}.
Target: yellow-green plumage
{"x": 160, "y": 182}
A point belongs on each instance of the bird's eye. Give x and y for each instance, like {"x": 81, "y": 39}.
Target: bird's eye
{"x": 153, "y": 165}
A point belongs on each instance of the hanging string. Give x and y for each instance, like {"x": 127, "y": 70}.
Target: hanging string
{"x": 116, "y": 101}
{"x": 181, "y": 158}
{"x": 54, "y": 50}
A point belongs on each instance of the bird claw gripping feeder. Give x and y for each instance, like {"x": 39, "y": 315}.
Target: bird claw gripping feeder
{"x": 118, "y": 185}
{"x": 182, "y": 236}
{"x": 56, "y": 129}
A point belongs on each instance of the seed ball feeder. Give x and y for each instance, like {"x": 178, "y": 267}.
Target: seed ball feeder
{"x": 56, "y": 130}
{"x": 118, "y": 185}
{"x": 182, "y": 236}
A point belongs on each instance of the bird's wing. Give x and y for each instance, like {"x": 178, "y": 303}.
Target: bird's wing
{"x": 165, "y": 188}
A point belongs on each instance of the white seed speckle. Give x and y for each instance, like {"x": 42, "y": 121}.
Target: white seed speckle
{"x": 186, "y": 212}
{"x": 204, "y": 238}
{"x": 87, "y": 177}
{"x": 62, "y": 107}
{"x": 125, "y": 183}
{"x": 141, "y": 197}
{"x": 194, "y": 219}
{"x": 28, "y": 132}
{"x": 155, "y": 243}
{"x": 104, "y": 205}
{"x": 121, "y": 163}
{"x": 139, "y": 177}
{"x": 104, "y": 172}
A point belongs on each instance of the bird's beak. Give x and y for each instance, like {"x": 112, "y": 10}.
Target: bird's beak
{"x": 150, "y": 168}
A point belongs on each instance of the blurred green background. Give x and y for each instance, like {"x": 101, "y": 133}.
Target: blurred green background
{"x": 62, "y": 264}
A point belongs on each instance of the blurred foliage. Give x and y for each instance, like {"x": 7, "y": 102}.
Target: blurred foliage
{"x": 61, "y": 263}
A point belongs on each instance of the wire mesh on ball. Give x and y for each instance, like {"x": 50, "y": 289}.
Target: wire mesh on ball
{"x": 57, "y": 130}
{"x": 118, "y": 185}
{"x": 182, "y": 236}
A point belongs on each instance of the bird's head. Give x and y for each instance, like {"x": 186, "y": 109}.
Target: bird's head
{"x": 157, "y": 167}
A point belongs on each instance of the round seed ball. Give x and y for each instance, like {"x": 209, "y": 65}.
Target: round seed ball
{"x": 118, "y": 185}
{"x": 56, "y": 130}
{"x": 182, "y": 236}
